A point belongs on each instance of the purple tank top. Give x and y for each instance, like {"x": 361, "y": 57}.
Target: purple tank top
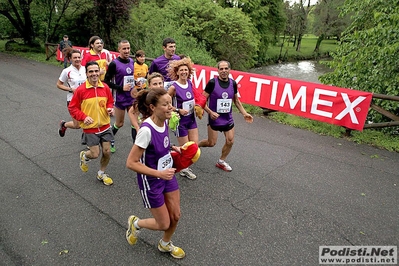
{"x": 124, "y": 74}
{"x": 157, "y": 155}
{"x": 220, "y": 101}
{"x": 185, "y": 100}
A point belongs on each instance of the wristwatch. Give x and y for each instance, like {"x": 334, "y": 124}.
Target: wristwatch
{"x": 70, "y": 91}
{"x": 177, "y": 110}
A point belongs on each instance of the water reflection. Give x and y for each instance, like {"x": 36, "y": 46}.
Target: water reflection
{"x": 303, "y": 70}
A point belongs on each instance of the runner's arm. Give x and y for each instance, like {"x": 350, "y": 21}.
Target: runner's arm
{"x": 110, "y": 75}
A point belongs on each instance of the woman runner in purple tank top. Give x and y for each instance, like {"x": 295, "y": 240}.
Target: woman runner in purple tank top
{"x": 183, "y": 101}
{"x": 150, "y": 157}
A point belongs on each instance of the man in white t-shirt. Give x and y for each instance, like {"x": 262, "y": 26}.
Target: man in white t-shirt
{"x": 70, "y": 78}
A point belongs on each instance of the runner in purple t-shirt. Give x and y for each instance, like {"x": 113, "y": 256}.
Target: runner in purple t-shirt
{"x": 221, "y": 92}
{"x": 120, "y": 78}
{"x": 161, "y": 64}
{"x": 150, "y": 157}
{"x": 183, "y": 101}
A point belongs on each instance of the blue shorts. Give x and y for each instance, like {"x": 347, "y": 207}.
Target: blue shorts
{"x": 153, "y": 189}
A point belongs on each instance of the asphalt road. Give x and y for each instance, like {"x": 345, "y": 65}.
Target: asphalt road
{"x": 290, "y": 191}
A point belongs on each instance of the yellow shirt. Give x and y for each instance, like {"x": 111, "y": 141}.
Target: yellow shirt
{"x": 140, "y": 71}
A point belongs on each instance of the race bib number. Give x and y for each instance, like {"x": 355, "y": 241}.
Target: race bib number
{"x": 189, "y": 106}
{"x": 128, "y": 80}
{"x": 223, "y": 105}
{"x": 165, "y": 162}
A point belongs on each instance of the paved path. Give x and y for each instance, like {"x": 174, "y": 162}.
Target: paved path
{"x": 290, "y": 191}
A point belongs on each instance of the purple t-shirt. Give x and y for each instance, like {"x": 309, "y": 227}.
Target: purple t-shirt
{"x": 161, "y": 65}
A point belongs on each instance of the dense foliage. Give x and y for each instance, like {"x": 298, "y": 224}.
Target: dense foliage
{"x": 202, "y": 29}
{"x": 112, "y": 17}
{"x": 208, "y": 30}
{"x": 367, "y": 58}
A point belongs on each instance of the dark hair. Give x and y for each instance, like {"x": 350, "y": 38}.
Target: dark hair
{"x": 167, "y": 40}
{"x": 68, "y": 51}
{"x": 122, "y": 41}
{"x": 182, "y": 56}
{"x": 93, "y": 39}
{"x": 223, "y": 61}
{"x": 147, "y": 97}
{"x": 91, "y": 63}
{"x": 139, "y": 53}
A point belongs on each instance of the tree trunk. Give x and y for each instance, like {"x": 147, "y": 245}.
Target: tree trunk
{"x": 23, "y": 24}
{"x": 319, "y": 40}
{"x": 28, "y": 31}
{"x": 298, "y": 47}
{"x": 281, "y": 48}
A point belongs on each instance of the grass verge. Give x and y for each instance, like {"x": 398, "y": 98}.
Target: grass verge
{"x": 370, "y": 137}
{"x": 38, "y": 57}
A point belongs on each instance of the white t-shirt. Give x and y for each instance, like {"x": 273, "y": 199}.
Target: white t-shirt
{"x": 143, "y": 137}
{"x": 72, "y": 77}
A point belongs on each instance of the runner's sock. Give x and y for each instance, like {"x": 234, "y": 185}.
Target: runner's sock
{"x": 136, "y": 224}
{"x": 163, "y": 243}
{"x": 114, "y": 129}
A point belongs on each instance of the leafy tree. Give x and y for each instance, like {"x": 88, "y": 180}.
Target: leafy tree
{"x": 327, "y": 22}
{"x": 6, "y": 29}
{"x": 55, "y": 17}
{"x": 112, "y": 16}
{"x": 301, "y": 13}
{"x": 148, "y": 20}
{"x": 227, "y": 32}
{"x": 49, "y": 19}
{"x": 268, "y": 17}
{"x": 367, "y": 58}
{"x": 19, "y": 14}
{"x": 201, "y": 25}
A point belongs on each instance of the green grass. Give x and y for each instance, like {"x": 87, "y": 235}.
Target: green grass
{"x": 306, "y": 52}
{"x": 368, "y": 136}
{"x": 38, "y": 57}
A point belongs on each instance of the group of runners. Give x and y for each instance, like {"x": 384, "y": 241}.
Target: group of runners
{"x": 99, "y": 88}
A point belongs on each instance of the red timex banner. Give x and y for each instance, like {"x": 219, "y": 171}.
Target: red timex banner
{"x": 339, "y": 106}
{"x": 334, "y": 105}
